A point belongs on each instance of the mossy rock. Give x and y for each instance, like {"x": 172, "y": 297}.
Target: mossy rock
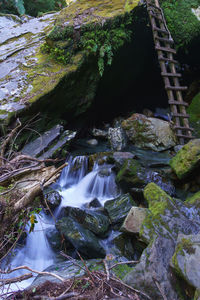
{"x": 118, "y": 208}
{"x": 60, "y": 76}
{"x": 187, "y": 159}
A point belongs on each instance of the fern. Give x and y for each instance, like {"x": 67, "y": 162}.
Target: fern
{"x": 19, "y": 4}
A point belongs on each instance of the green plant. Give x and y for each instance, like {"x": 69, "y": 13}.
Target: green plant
{"x": 182, "y": 23}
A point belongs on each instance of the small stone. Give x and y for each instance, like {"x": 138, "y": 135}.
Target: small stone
{"x": 92, "y": 142}
{"x": 134, "y": 219}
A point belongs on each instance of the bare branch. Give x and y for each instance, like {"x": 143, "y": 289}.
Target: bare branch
{"x": 16, "y": 279}
{"x": 34, "y": 271}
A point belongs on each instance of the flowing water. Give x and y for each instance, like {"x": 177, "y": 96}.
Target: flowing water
{"x": 77, "y": 187}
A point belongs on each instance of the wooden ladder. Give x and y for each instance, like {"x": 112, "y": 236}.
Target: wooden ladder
{"x": 165, "y": 50}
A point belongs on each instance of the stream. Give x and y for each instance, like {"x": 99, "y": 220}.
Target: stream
{"x": 77, "y": 187}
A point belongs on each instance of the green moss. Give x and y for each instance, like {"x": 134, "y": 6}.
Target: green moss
{"x": 183, "y": 247}
{"x": 186, "y": 159}
{"x": 121, "y": 271}
{"x": 194, "y": 198}
{"x": 182, "y": 23}
{"x": 129, "y": 171}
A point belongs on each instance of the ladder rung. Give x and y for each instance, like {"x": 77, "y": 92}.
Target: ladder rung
{"x": 170, "y": 74}
{"x": 167, "y": 59}
{"x": 155, "y": 28}
{"x": 173, "y": 102}
{"x": 184, "y": 136}
{"x": 155, "y": 16}
{"x": 176, "y": 88}
{"x": 165, "y": 49}
{"x": 164, "y": 40}
{"x": 183, "y": 128}
{"x": 180, "y": 115}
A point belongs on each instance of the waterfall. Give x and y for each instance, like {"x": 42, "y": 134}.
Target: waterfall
{"x": 36, "y": 253}
{"x": 77, "y": 187}
{"x": 99, "y": 183}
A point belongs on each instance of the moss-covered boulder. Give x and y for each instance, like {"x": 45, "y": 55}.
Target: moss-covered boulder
{"x": 149, "y": 133}
{"x": 186, "y": 259}
{"x": 60, "y": 75}
{"x": 82, "y": 239}
{"x": 187, "y": 159}
{"x": 167, "y": 217}
{"x": 118, "y": 208}
{"x": 93, "y": 220}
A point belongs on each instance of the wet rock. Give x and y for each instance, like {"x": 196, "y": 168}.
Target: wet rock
{"x": 187, "y": 159}
{"x": 60, "y": 147}
{"x": 186, "y": 259}
{"x": 83, "y": 240}
{"x": 92, "y": 220}
{"x": 49, "y": 144}
{"x": 118, "y": 208}
{"x": 149, "y": 133}
{"x": 123, "y": 245}
{"x": 99, "y": 133}
{"x": 166, "y": 219}
{"x": 52, "y": 198}
{"x": 31, "y": 79}
{"x": 40, "y": 144}
{"x": 132, "y": 174}
{"x": 118, "y": 158}
{"x": 134, "y": 220}
{"x": 67, "y": 269}
{"x": 194, "y": 199}
{"x": 54, "y": 238}
{"x": 116, "y": 138}
{"x": 95, "y": 203}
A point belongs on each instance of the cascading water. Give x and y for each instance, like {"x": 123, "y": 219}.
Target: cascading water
{"x": 99, "y": 183}
{"x": 76, "y": 188}
{"x": 36, "y": 253}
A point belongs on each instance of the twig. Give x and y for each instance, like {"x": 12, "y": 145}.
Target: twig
{"x": 130, "y": 287}
{"x": 86, "y": 268}
{"x": 66, "y": 296}
{"x": 124, "y": 262}
{"x": 16, "y": 279}
{"x": 8, "y": 139}
{"x": 34, "y": 271}
{"x": 72, "y": 260}
{"x": 159, "y": 288}
{"x": 68, "y": 289}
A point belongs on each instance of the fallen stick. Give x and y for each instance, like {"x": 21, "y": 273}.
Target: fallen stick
{"x": 34, "y": 271}
{"x": 16, "y": 279}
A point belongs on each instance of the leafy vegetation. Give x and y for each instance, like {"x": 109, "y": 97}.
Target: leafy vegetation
{"x": 28, "y": 7}
{"x": 93, "y": 40}
{"x": 182, "y": 23}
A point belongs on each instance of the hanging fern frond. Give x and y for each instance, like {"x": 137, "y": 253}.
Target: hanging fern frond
{"x": 20, "y": 6}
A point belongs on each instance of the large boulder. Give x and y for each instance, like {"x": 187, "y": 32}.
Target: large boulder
{"x": 149, "y": 133}
{"x": 166, "y": 219}
{"x": 59, "y": 76}
{"x": 118, "y": 208}
{"x": 186, "y": 259}
{"x": 187, "y": 159}
{"x": 82, "y": 239}
{"x": 134, "y": 220}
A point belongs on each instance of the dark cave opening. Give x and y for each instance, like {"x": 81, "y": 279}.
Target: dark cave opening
{"x": 133, "y": 81}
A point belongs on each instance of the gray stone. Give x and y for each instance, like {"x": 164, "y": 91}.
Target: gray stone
{"x": 149, "y": 133}
{"x": 118, "y": 208}
{"x": 64, "y": 140}
{"x": 82, "y": 239}
{"x": 92, "y": 220}
{"x": 39, "y": 145}
{"x": 92, "y": 142}
{"x": 134, "y": 219}
{"x": 166, "y": 219}
{"x": 116, "y": 138}
{"x": 186, "y": 259}
{"x": 52, "y": 198}
{"x": 99, "y": 132}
